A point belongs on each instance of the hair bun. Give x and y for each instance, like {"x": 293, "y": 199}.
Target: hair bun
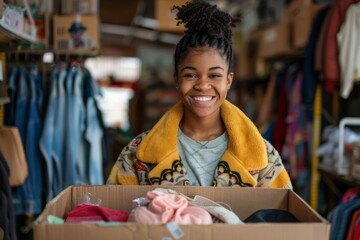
{"x": 202, "y": 17}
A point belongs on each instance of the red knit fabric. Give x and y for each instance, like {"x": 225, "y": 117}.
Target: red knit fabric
{"x": 90, "y": 213}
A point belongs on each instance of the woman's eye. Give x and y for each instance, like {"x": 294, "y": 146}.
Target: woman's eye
{"x": 215, "y": 76}
{"x": 190, "y": 75}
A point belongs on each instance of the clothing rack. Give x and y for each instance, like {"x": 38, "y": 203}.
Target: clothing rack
{"x": 61, "y": 86}
{"x": 45, "y": 65}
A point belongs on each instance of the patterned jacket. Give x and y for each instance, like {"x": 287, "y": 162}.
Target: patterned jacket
{"x": 249, "y": 161}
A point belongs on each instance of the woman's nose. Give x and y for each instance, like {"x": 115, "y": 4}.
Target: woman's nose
{"x": 202, "y": 83}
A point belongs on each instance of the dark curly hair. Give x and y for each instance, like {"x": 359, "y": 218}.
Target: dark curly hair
{"x": 206, "y": 26}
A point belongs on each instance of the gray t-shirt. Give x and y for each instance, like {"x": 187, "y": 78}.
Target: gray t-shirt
{"x": 201, "y": 158}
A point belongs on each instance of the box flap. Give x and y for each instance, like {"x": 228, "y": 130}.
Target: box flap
{"x": 58, "y": 206}
{"x": 302, "y": 210}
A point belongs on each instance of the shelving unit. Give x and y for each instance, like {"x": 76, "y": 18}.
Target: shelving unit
{"x": 19, "y": 35}
{"x": 12, "y": 23}
{"x": 87, "y": 53}
{"x": 336, "y": 186}
{"x": 4, "y": 100}
{"x": 332, "y": 173}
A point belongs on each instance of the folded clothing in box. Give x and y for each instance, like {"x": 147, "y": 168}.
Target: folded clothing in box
{"x": 91, "y": 213}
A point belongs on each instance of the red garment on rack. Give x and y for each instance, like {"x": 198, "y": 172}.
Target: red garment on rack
{"x": 280, "y": 123}
{"x": 352, "y": 227}
{"x": 350, "y": 194}
{"x": 357, "y": 233}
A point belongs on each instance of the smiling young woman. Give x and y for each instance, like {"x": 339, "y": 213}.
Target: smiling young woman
{"x": 204, "y": 139}
{"x": 203, "y": 82}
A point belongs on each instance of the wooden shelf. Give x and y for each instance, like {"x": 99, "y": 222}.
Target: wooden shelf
{"x": 42, "y": 51}
{"x": 11, "y": 16}
{"x": 331, "y": 173}
{"x": 4, "y": 100}
{"x": 17, "y": 35}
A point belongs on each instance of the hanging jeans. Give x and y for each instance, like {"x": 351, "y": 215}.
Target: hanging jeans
{"x": 79, "y": 125}
{"x": 21, "y": 108}
{"x": 32, "y": 149}
{"x": 58, "y": 147}
{"x": 75, "y": 158}
{"x": 46, "y": 140}
{"x": 11, "y": 107}
{"x": 93, "y": 132}
{"x": 28, "y": 196}
{"x": 22, "y": 195}
{"x": 39, "y": 90}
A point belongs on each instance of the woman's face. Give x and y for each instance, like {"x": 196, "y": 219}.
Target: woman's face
{"x": 203, "y": 81}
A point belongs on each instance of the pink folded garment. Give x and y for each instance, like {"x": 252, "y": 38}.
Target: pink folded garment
{"x": 165, "y": 205}
{"x": 220, "y": 213}
{"x": 91, "y": 213}
{"x": 164, "y": 208}
{"x": 193, "y": 215}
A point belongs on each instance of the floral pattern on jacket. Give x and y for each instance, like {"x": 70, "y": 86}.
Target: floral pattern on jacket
{"x": 128, "y": 165}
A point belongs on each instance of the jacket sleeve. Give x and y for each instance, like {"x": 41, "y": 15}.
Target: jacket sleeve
{"x": 125, "y": 170}
{"x": 275, "y": 174}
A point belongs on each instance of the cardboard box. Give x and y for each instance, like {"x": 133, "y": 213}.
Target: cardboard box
{"x": 303, "y": 19}
{"x": 245, "y": 64}
{"x": 166, "y": 19}
{"x": 295, "y": 5}
{"x": 127, "y": 11}
{"x": 243, "y": 201}
{"x": 276, "y": 40}
{"x": 78, "y": 33}
{"x": 79, "y": 6}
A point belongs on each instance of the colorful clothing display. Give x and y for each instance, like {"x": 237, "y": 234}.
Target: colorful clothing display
{"x": 331, "y": 55}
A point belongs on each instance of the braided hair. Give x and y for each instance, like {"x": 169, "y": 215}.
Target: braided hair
{"x": 207, "y": 26}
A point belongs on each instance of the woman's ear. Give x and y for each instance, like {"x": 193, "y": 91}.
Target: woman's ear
{"x": 176, "y": 79}
{"x": 229, "y": 79}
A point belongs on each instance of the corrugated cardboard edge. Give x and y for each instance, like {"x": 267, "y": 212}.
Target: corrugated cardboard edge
{"x": 308, "y": 211}
{"x": 66, "y": 192}
{"x": 307, "y": 230}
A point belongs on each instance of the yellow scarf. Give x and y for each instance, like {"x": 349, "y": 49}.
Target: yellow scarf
{"x": 246, "y": 148}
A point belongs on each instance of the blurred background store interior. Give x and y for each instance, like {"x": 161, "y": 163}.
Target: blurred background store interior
{"x": 122, "y": 51}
